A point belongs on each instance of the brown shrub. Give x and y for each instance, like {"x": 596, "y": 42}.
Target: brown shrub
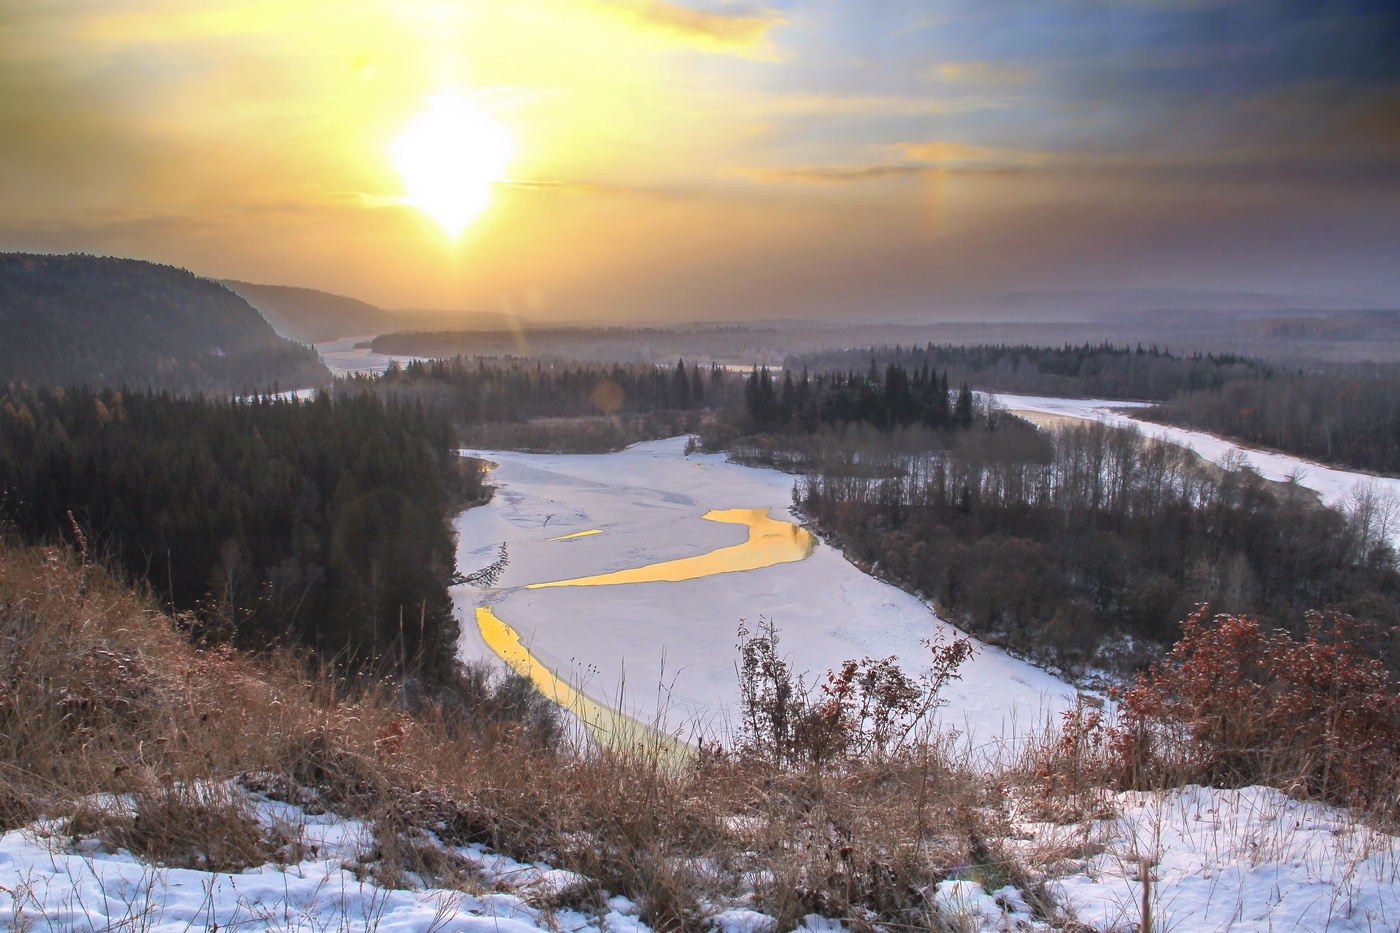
{"x": 1237, "y": 704}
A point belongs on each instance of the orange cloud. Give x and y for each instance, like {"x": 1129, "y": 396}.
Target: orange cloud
{"x": 714, "y": 32}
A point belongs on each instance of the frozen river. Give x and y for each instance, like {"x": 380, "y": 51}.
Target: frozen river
{"x": 658, "y": 640}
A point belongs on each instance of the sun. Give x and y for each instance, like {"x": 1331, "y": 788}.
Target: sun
{"x": 448, "y": 156}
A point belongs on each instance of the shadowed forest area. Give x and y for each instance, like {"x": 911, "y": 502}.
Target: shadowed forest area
{"x": 1082, "y": 547}
{"x": 130, "y": 325}
{"x": 321, "y": 524}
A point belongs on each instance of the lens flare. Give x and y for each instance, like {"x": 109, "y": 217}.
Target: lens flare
{"x": 448, "y": 156}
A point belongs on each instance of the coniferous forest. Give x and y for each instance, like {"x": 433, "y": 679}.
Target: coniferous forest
{"x": 126, "y": 324}
{"x": 322, "y": 523}
{"x": 1084, "y": 371}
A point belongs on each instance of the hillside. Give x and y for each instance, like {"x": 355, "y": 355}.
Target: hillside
{"x": 105, "y": 322}
{"x": 150, "y": 784}
{"x": 314, "y": 316}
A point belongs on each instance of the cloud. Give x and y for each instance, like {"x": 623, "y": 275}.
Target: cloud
{"x": 981, "y": 73}
{"x": 917, "y": 159}
{"x": 809, "y": 104}
{"x": 840, "y": 174}
{"x": 946, "y": 153}
{"x": 744, "y": 35}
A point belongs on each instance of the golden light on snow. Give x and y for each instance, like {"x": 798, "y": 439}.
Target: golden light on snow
{"x": 448, "y": 156}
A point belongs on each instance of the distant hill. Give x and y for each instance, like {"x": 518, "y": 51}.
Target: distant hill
{"x": 1113, "y": 304}
{"x": 97, "y": 321}
{"x": 315, "y": 316}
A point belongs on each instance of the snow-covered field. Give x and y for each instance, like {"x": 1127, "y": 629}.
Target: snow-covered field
{"x": 667, "y": 649}
{"x": 1334, "y": 486}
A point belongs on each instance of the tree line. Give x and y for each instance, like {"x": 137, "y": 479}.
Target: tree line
{"x": 1087, "y": 545}
{"x": 892, "y": 399}
{"x": 1348, "y": 415}
{"x": 1083, "y": 371}
{"x": 511, "y": 389}
{"x": 320, "y": 523}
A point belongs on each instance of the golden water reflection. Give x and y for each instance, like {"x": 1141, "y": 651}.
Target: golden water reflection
{"x": 606, "y": 725}
{"x": 576, "y": 534}
{"x": 770, "y": 542}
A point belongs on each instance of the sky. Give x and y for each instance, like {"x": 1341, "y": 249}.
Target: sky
{"x": 659, "y": 160}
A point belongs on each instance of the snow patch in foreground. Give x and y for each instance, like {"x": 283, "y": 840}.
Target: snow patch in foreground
{"x": 1237, "y": 860}
{"x": 1223, "y": 860}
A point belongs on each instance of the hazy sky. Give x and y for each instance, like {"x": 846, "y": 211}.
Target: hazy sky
{"x": 718, "y": 160}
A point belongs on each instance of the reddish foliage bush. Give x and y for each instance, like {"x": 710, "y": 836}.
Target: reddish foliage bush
{"x": 1237, "y": 704}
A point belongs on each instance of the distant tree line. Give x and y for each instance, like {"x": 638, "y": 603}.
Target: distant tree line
{"x": 1087, "y": 546}
{"x": 1348, "y": 415}
{"x": 886, "y": 400}
{"x": 1085, "y": 371}
{"x": 510, "y": 389}
{"x": 321, "y": 523}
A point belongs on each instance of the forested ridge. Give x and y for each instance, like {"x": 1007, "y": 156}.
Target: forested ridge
{"x": 321, "y": 523}
{"x": 126, "y": 324}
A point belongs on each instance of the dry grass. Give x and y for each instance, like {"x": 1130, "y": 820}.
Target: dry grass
{"x": 102, "y": 694}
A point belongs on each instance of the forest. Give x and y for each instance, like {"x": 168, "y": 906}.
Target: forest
{"x": 1085, "y": 371}
{"x": 125, "y": 324}
{"x": 1346, "y": 414}
{"x": 1342, "y": 413}
{"x": 569, "y": 407}
{"x": 1084, "y": 547}
{"x": 322, "y": 524}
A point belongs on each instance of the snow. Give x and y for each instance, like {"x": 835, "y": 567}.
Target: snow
{"x": 49, "y": 883}
{"x": 1220, "y": 860}
{"x": 1238, "y": 860}
{"x": 343, "y": 358}
{"x": 665, "y": 652}
{"x": 1333, "y": 486}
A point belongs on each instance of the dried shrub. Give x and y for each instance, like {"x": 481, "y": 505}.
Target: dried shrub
{"x": 1237, "y": 704}
{"x": 868, "y": 709}
{"x": 203, "y": 827}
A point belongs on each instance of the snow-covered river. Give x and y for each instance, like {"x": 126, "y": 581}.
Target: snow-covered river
{"x": 659, "y": 641}
{"x": 1335, "y": 487}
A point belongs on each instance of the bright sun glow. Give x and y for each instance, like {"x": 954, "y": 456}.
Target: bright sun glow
{"x": 448, "y": 156}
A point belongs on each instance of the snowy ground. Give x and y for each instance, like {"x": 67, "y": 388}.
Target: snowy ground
{"x": 343, "y": 358}
{"x": 1334, "y": 486}
{"x": 669, "y": 648}
{"x": 1218, "y": 860}
{"x": 1238, "y": 860}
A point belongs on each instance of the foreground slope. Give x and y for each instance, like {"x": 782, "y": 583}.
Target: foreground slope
{"x": 146, "y": 784}
{"x": 104, "y": 322}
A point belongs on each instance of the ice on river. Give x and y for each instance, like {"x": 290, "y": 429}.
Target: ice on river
{"x": 667, "y": 649}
